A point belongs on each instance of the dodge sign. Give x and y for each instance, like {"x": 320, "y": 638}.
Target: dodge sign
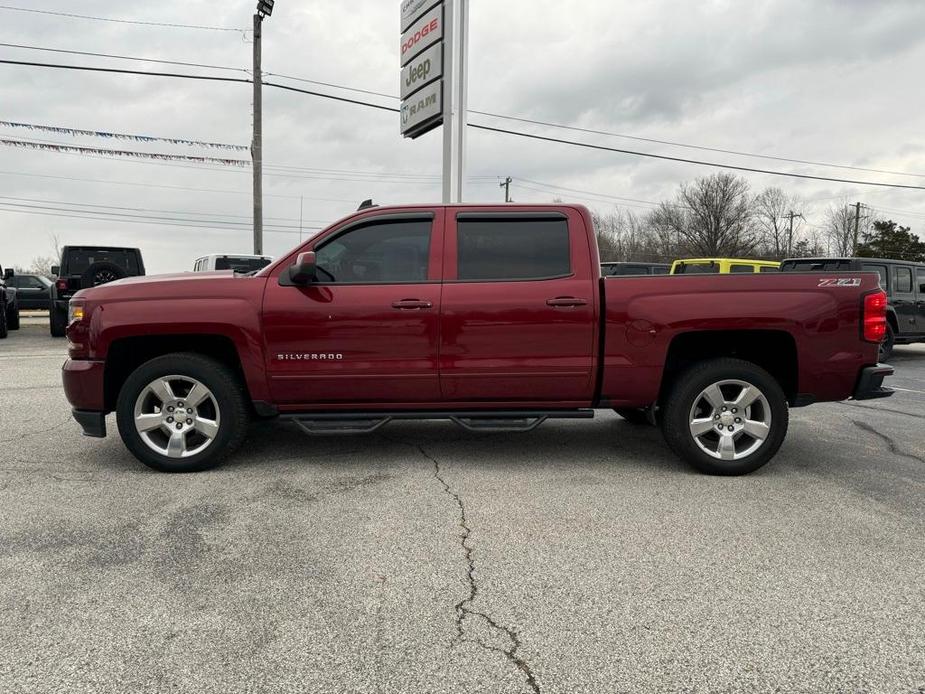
{"x": 422, "y": 34}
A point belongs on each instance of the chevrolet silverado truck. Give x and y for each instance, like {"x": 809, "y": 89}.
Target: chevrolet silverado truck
{"x": 494, "y": 317}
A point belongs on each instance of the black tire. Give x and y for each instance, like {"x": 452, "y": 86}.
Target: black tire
{"x": 12, "y": 319}
{"x": 4, "y": 330}
{"x": 102, "y": 272}
{"x": 633, "y": 415}
{"x": 685, "y": 394}
{"x": 229, "y": 396}
{"x": 57, "y": 322}
{"x": 886, "y": 347}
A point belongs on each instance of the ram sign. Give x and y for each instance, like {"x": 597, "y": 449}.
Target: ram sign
{"x": 423, "y": 111}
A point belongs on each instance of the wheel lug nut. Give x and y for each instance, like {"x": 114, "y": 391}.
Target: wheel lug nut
{"x": 731, "y": 428}
{"x": 738, "y": 420}
{"x": 170, "y": 409}
{"x": 180, "y": 426}
{"x": 734, "y": 410}
{"x": 189, "y": 410}
{"x": 170, "y": 420}
{"x": 179, "y": 404}
{"x": 189, "y": 421}
{"x": 724, "y": 408}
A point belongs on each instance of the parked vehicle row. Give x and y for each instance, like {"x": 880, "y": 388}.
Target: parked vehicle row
{"x": 494, "y": 317}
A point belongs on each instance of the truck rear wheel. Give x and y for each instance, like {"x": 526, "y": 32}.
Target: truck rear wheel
{"x": 182, "y": 413}
{"x": 725, "y": 417}
{"x": 12, "y": 319}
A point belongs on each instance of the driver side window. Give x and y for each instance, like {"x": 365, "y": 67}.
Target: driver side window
{"x": 394, "y": 252}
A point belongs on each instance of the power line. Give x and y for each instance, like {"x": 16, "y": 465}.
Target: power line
{"x": 167, "y": 187}
{"x": 697, "y": 147}
{"x": 682, "y": 160}
{"x": 490, "y": 114}
{"x": 120, "y": 136}
{"x": 122, "y": 71}
{"x": 159, "y": 211}
{"x": 120, "y": 21}
{"x": 141, "y": 219}
{"x": 160, "y": 61}
{"x": 487, "y": 128}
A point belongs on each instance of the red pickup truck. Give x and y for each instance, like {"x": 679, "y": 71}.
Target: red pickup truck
{"x": 494, "y": 317}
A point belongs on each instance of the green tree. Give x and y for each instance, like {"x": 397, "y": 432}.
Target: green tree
{"x": 887, "y": 239}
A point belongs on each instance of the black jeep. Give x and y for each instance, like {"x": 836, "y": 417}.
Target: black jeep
{"x": 88, "y": 266}
{"x": 9, "y": 304}
{"x": 904, "y": 284}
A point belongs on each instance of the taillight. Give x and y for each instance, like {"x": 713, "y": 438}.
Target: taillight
{"x": 61, "y": 285}
{"x": 874, "y": 318}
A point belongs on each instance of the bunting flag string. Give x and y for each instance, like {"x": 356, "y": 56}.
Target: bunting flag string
{"x": 74, "y": 149}
{"x": 75, "y": 132}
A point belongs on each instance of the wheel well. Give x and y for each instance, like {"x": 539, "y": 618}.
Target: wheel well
{"x": 127, "y": 354}
{"x": 773, "y": 350}
{"x": 892, "y": 320}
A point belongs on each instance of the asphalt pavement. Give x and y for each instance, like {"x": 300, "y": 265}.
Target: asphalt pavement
{"x": 582, "y": 557}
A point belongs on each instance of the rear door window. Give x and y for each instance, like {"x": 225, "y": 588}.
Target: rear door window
{"x": 768, "y": 268}
{"x": 512, "y": 249}
{"x": 902, "y": 277}
{"x": 742, "y": 269}
{"x": 880, "y": 270}
{"x": 920, "y": 281}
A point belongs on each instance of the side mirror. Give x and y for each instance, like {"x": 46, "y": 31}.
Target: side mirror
{"x": 56, "y": 270}
{"x": 8, "y": 273}
{"x": 304, "y": 270}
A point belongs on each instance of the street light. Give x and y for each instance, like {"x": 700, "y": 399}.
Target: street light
{"x": 264, "y": 9}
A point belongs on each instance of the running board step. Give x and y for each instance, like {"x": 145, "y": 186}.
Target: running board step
{"x": 481, "y": 421}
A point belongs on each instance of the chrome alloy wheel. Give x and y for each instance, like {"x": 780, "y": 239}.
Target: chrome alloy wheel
{"x": 177, "y": 416}
{"x": 730, "y": 419}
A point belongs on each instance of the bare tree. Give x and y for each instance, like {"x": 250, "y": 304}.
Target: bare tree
{"x": 839, "y": 229}
{"x": 710, "y": 217}
{"x": 773, "y": 209}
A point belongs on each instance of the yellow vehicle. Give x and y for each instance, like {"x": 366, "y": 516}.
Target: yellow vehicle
{"x": 721, "y": 266}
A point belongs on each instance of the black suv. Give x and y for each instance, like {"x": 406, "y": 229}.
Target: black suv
{"x": 903, "y": 282}
{"x": 88, "y": 266}
{"x": 9, "y": 304}
{"x": 626, "y": 269}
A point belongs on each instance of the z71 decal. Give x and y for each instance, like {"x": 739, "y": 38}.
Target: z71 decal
{"x": 842, "y": 282}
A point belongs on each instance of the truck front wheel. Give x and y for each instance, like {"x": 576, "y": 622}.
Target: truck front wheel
{"x": 182, "y": 413}
{"x": 725, "y": 417}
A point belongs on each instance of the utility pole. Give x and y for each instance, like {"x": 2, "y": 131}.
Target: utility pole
{"x": 264, "y": 9}
{"x": 506, "y": 184}
{"x": 857, "y": 225}
{"x": 790, "y": 215}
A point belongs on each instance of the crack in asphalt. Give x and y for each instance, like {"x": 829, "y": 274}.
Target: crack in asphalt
{"x": 891, "y": 444}
{"x": 463, "y": 608}
{"x": 880, "y": 409}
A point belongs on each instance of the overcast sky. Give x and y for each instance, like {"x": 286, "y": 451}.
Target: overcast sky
{"x": 835, "y": 81}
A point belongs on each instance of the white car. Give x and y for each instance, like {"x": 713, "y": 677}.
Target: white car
{"x": 238, "y": 263}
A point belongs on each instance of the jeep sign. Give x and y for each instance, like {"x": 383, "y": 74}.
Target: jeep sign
{"x": 423, "y": 70}
{"x": 422, "y": 34}
{"x": 422, "y": 111}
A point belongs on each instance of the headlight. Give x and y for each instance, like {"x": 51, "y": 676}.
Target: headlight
{"x": 75, "y": 312}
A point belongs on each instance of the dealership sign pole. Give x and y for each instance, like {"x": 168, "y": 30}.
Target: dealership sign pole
{"x": 434, "y": 57}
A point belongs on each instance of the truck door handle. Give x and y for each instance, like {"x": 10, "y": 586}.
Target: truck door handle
{"x": 411, "y": 305}
{"x": 566, "y": 301}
